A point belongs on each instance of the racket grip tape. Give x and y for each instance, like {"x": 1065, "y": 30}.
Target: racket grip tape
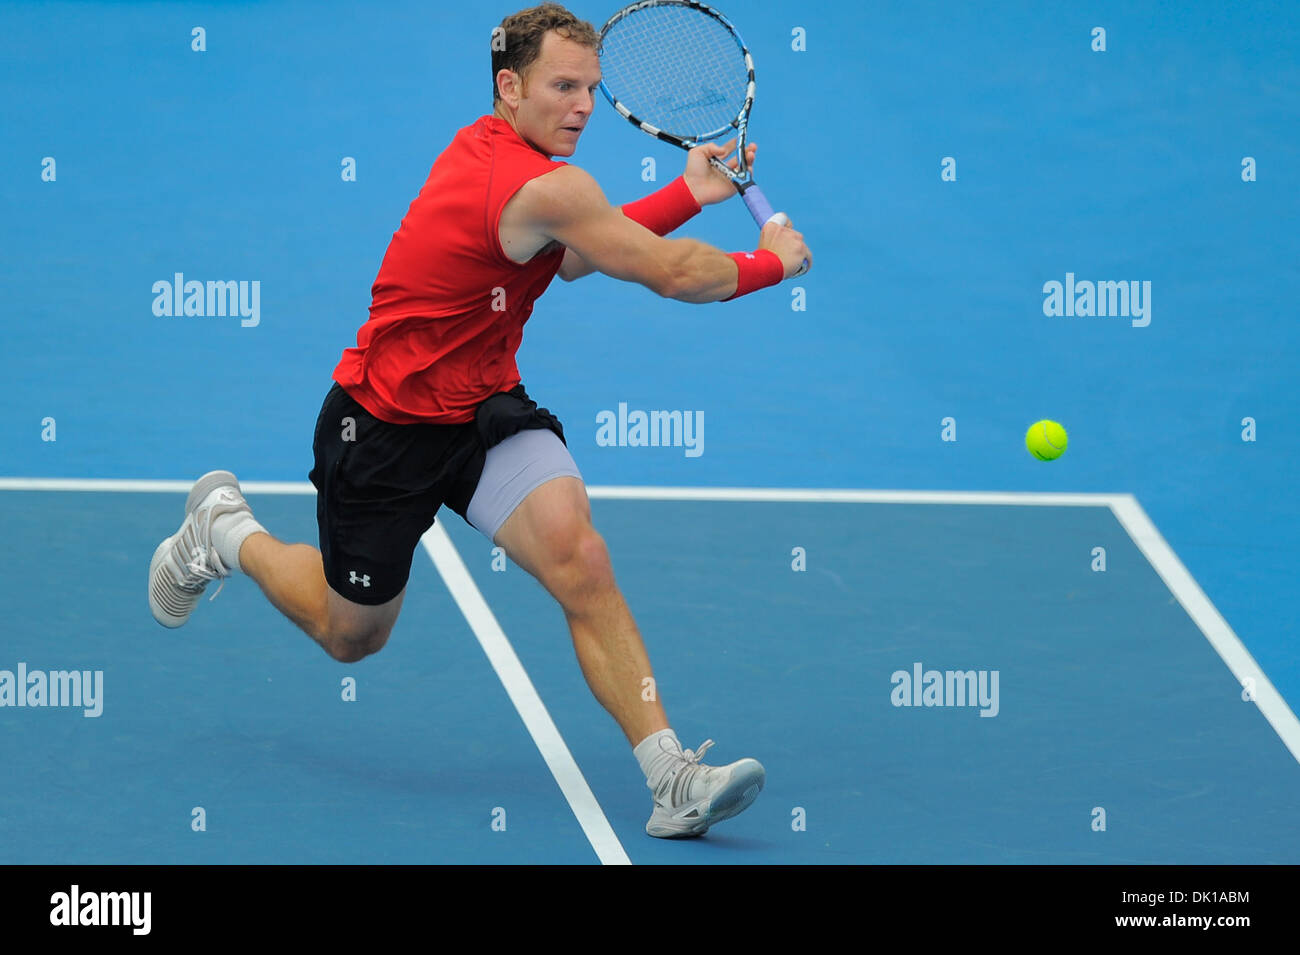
{"x": 762, "y": 212}
{"x": 757, "y": 203}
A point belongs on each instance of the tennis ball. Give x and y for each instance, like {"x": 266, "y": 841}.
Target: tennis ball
{"x": 1046, "y": 440}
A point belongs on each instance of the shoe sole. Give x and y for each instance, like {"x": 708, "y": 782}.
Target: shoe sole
{"x": 164, "y": 617}
{"x": 737, "y": 796}
{"x": 202, "y": 488}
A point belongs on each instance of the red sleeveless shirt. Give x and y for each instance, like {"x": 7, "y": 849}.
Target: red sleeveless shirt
{"x": 448, "y": 307}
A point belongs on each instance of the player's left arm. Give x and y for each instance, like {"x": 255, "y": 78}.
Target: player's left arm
{"x": 707, "y": 185}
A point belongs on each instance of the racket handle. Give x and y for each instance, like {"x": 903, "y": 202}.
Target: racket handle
{"x": 758, "y": 205}
{"x": 762, "y": 212}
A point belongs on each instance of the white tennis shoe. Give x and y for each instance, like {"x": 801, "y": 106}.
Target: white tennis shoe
{"x": 185, "y": 563}
{"x": 692, "y": 797}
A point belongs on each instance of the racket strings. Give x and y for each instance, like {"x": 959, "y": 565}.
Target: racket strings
{"x": 677, "y": 69}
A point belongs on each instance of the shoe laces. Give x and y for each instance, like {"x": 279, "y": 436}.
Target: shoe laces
{"x": 206, "y": 566}
{"x": 679, "y": 781}
{"x": 203, "y": 567}
{"x": 693, "y": 756}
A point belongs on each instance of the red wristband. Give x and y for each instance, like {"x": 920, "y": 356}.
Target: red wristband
{"x": 758, "y": 269}
{"x": 665, "y": 210}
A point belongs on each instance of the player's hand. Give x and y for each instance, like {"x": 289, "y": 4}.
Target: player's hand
{"x": 707, "y": 184}
{"x": 788, "y": 244}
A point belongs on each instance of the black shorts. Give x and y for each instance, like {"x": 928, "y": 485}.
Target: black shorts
{"x": 379, "y": 485}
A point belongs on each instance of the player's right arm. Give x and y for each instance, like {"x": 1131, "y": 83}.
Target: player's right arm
{"x": 567, "y": 205}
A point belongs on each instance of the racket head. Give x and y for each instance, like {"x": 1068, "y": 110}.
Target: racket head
{"x": 679, "y": 70}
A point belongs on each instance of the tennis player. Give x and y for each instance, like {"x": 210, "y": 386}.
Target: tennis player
{"x": 428, "y": 408}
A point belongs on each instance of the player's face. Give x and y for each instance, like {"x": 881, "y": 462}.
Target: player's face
{"x": 559, "y": 90}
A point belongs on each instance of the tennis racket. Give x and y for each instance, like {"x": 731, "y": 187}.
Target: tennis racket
{"x": 679, "y": 70}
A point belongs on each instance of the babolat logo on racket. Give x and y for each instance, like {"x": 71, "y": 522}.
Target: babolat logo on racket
{"x": 710, "y": 98}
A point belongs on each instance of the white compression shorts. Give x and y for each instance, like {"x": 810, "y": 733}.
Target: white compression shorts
{"x": 512, "y": 470}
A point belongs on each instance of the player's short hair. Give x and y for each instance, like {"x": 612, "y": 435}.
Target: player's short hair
{"x": 517, "y": 43}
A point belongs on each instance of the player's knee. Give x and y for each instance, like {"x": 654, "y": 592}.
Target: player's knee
{"x": 350, "y": 645}
{"x": 586, "y": 560}
{"x": 591, "y": 553}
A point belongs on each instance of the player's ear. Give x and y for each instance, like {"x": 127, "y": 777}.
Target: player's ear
{"x": 508, "y": 86}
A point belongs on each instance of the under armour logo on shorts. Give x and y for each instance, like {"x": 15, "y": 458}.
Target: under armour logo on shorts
{"x": 363, "y": 580}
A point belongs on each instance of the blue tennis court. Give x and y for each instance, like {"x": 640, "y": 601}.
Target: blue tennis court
{"x": 942, "y": 649}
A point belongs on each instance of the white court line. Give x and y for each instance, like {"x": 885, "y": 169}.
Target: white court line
{"x": 1207, "y": 617}
{"x": 832, "y": 496}
{"x": 1124, "y": 506}
{"x": 524, "y": 696}
{"x": 145, "y": 487}
{"x": 602, "y": 492}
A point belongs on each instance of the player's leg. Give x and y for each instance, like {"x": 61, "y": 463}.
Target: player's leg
{"x": 550, "y": 535}
{"x": 292, "y": 576}
{"x": 374, "y": 482}
{"x": 531, "y": 501}
{"x": 220, "y": 535}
